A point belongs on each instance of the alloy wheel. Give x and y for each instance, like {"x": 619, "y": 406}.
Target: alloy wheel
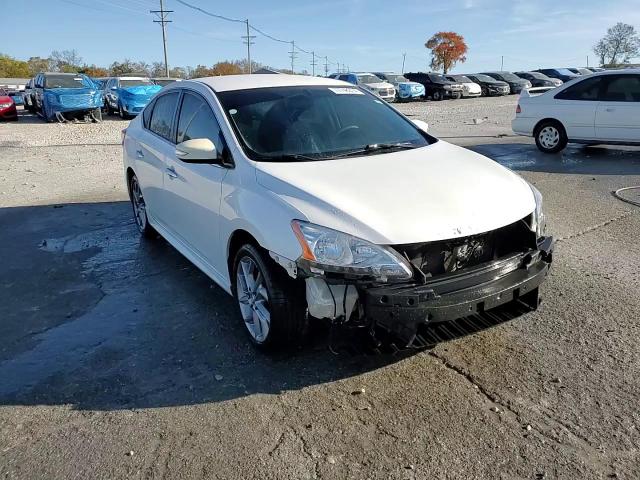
{"x": 253, "y": 299}
{"x": 139, "y": 206}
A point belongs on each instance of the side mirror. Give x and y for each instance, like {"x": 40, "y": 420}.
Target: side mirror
{"x": 424, "y": 126}
{"x": 114, "y": 88}
{"x": 197, "y": 150}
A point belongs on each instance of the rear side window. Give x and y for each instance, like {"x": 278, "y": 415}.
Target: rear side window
{"x": 146, "y": 114}
{"x": 585, "y": 90}
{"x": 162, "y": 115}
{"x": 622, "y": 88}
{"x": 198, "y": 121}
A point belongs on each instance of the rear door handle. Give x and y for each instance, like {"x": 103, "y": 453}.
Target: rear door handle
{"x": 139, "y": 153}
{"x": 610, "y": 109}
{"x": 171, "y": 172}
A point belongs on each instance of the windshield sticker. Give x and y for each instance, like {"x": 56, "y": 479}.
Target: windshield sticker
{"x": 346, "y": 91}
{"x": 233, "y": 111}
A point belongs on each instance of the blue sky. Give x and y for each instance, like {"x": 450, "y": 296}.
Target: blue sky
{"x": 364, "y": 34}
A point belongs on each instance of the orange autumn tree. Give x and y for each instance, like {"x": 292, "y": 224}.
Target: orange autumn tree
{"x": 447, "y": 49}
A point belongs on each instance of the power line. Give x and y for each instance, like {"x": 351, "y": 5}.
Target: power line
{"x": 221, "y": 17}
{"x": 162, "y": 15}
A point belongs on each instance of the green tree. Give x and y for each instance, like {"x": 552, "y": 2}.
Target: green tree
{"x": 37, "y": 65}
{"x": 12, "y": 68}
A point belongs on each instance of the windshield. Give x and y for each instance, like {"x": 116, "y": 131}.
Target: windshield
{"x": 538, "y": 75}
{"x": 125, "y": 83}
{"x": 163, "y": 81}
{"x": 438, "y": 78}
{"x": 461, "y": 79}
{"x": 509, "y": 77}
{"x": 315, "y": 123}
{"x": 368, "y": 79}
{"x": 565, "y": 71}
{"x": 485, "y": 78}
{"x": 67, "y": 81}
{"x": 393, "y": 78}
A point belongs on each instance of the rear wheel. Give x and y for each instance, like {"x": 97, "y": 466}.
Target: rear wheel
{"x": 140, "y": 208}
{"x": 121, "y": 112}
{"x": 437, "y": 95}
{"x": 107, "y": 108}
{"x": 550, "y": 137}
{"x": 269, "y": 300}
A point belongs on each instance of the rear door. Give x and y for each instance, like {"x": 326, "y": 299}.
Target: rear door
{"x": 618, "y": 114}
{"x": 575, "y": 107}
{"x": 155, "y": 145}
{"x": 194, "y": 190}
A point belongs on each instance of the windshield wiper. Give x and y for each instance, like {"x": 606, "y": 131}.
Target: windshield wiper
{"x": 376, "y": 147}
{"x": 289, "y": 157}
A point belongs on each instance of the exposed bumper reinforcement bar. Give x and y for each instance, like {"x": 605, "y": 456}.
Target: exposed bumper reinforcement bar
{"x": 460, "y": 303}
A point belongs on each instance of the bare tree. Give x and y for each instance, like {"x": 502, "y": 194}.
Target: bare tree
{"x": 618, "y": 46}
{"x": 66, "y": 60}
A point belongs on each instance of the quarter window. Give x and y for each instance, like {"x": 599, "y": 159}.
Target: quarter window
{"x": 586, "y": 90}
{"x": 198, "y": 121}
{"x": 162, "y": 115}
{"x": 622, "y": 88}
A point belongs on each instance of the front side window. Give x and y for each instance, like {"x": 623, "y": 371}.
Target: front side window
{"x": 586, "y": 90}
{"x": 368, "y": 79}
{"x": 162, "y": 115}
{"x": 316, "y": 123}
{"x": 198, "y": 121}
{"x": 622, "y": 88}
{"x": 484, "y": 78}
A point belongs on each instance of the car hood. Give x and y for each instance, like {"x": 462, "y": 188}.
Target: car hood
{"x": 6, "y": 99}
{"x": 410, "y": 84}
{"x": 379, "y": 85}
{"x": 426, "y": 194}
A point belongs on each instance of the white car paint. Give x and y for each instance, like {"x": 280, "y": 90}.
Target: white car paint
{"x": 383, "y": 89}
{"x": 586, "y": 120}
{"x": 425, "y": 194}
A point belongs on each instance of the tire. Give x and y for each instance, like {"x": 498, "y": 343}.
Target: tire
{"x": 272, "y": 311}
{"x": 107, "y": 108}
{"x": 121, "y": 113}
{"x": 457, "y": 96}
{"x": 140, "y": 209}
{"x": 484, "y": 92}
{"x": 437, "y": 96}
{"x": 97, "y": 115}
{"x": 550, "y": 136}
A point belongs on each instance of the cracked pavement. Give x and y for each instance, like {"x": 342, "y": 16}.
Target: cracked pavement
{"x": 119, "y": 359}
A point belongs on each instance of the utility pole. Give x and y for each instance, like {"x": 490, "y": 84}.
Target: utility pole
{"x": 326, "y": 66}
{"x": 313, "y": 63}
{"x": 247, "y": 39}
{"x": 502, "y": 63}
{"x": 292, "y": 54}
{"x": 587, "y": 61}
{"x": 404, "y": 55}
{"x": 162, "y": 15}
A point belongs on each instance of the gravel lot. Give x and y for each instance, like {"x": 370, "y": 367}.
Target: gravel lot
{"x": 119, "y": 359}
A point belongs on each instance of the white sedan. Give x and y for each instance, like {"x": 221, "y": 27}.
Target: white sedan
{"x": 308, "y": 198}
{"x": 599, "y": 108}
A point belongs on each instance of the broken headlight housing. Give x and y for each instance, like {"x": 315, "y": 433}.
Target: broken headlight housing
{"x": 538, "y": 220}
{"x": 328, "y": 250}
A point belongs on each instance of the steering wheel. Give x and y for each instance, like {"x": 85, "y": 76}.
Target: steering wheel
{"x": 347, "y": 129}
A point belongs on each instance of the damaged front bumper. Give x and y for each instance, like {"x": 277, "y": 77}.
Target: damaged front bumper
{"x": 456, "y": 304}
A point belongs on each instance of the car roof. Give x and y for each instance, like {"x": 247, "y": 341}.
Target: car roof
{"x": 245, "y": 82}
{"x": 132, "y": 78}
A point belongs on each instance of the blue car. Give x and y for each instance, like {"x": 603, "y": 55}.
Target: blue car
{"x": 65, "y": 96}
{"x": 405, "y": 89}
{"x": 128, "y": 95}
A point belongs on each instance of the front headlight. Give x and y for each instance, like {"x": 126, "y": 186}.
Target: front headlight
{"x": 332, "y": 251}
{"x": 5, "y": 105}
{"x": 538, "y": 221}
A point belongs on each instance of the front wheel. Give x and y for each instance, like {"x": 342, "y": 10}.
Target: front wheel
{"x": 269, "y": 300}
{"x": 550, "y": 137}
{"x": 121, "y": 112}
{"x": 437, "y": 95}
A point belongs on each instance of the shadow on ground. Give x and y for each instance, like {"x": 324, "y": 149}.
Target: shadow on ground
{"x": 95, "y": 317}
{"x": 575, "y": 159}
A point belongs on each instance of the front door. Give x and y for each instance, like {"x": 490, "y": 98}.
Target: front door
{"x": 194, "y": 190}
{"x": 618, "y": 115}
{"x": 576, "y": 107}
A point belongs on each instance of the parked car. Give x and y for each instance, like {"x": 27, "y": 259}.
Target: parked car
{"x": 63, "y": 96}
{"x": 489, "y": 86}
{"x": 128, "y": 95}
{"x": 8, "y": 109}
{"x": 469, "y": 88}
{"x": 28, "y": 99}
{"x": 580, "y": 71}
{"x": 405, "y": 89}
{"x": 563, "y": 74}
{"x": 600, "y": 108}
{"x": 234, "y": 172}
{"x": 596, "y": 69}
{"x": 538, "y": 79}
{"x": 16, "y": 95}
{"x": 162, "y": 81}
{"x": 374, "y": 84}
{"x": 516, "y": 84}
{"x": 436, "y": 86}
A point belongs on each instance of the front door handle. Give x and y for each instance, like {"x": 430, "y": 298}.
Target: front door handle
{"x": 139, "y": 153}
{"x": 171, "y": 172}
{"x": 610, "y": 109}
